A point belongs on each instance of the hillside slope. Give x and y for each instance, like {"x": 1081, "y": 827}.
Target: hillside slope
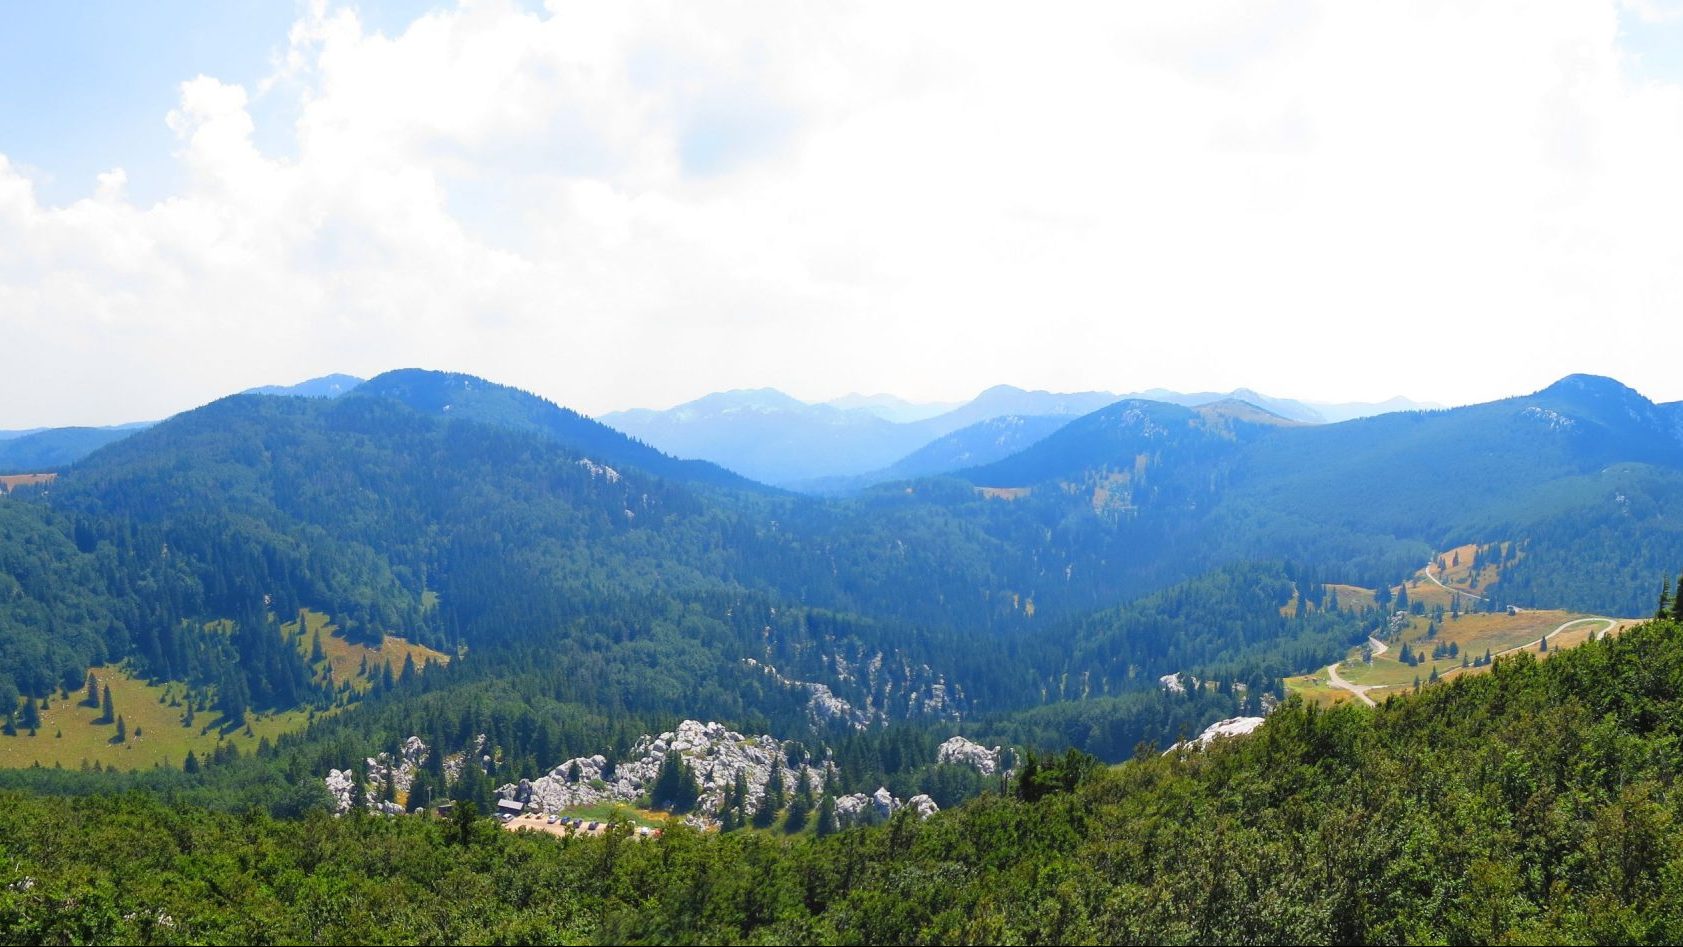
{"x": 1534, "y": 804}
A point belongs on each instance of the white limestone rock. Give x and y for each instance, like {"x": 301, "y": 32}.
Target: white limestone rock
{"x": 1231, "y": 727}
{"x": 340, "y": 785}
{"x": 963, "y": 752}
{"x": 714, "y": 753}
{"x": 859, "y": 809}
{"x": 1221, "y": 729}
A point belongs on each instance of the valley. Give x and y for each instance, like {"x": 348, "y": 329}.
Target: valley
{"x": 431, "y": 589}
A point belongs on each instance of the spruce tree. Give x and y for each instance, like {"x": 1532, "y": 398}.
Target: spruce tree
{"x": 122, "y": 730}
{"x": 827, "y": 824}
{"x": 317, "y": 654}
{"x": 796, "y": 819}
{"x": 31, "y": 716}
{"x": 108, "y": 709}
{"x": 191, "y": 764}
{"x": 771, "y": 802}
{"x": 803, "y": 786}
{"x": 92, "y": 700}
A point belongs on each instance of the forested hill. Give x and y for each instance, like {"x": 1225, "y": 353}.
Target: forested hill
{"x": 455, "y": 532}
{"x": 453, "y": 395}
{"x": 1534, "y": 804}
{"x": 476, "y": 520}
{"x": 1579, "y": 473}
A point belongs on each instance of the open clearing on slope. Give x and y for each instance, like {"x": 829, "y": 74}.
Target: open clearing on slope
{"x": 70, "y": 735}
{"x": 9, "y": 482}
{"x": 346, "y": 659}
{"x": 1499, "y": 634}
{"x": 1473, "y": 634}
{"x": 156, "y": 734}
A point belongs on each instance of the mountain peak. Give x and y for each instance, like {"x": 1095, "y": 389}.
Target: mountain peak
{"x": 760, "y": 398}
{"x": 1594, "y": 386}
{"x": 327, "y": 386}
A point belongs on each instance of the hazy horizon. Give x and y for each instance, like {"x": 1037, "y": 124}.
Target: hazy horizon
{"x": 636, "y": 204}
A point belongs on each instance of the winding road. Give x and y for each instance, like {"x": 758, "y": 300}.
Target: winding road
{"x": 1448, "y": 588}
{"x": 1360, "y": 690}
{"x": 1611, "y": 624}
{"x": 1379, "y": 647}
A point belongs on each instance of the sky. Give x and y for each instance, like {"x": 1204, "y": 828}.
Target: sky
{"x": 632, "y": 204}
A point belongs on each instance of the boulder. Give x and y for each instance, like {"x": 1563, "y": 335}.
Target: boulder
{"x": 963, "y": 752}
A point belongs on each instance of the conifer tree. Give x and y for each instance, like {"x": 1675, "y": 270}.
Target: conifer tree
{"x": 771, "y": 802}
{"x": 122, "y": 730}
{"x": 92, "y": 700}
{"x": 827, "y": 824}
{"x": 108, "y": 709}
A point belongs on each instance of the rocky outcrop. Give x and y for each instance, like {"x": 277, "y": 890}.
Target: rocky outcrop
{"x": 1177, "y": 683}
{"x": 861, "y": 809}
{"x": 922, "y": 805}
{"x": 393, "y": 776}
{"x": 822, "y": 703}
{"x": 341, "y": 785}
{"x": 964, "y": 752}
{"x": 716, "y": 756}
{"x": 1231, "y": 727}
{"x": 1221, "y": 729}
{"x": 599, "y": 470}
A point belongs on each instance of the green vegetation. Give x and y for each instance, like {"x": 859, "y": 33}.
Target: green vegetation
{"x": 1531, "y": 804}
{"x": 266, "y": 589}
{"x": 72, "y": 734}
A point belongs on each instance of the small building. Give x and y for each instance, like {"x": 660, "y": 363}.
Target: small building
{"x": 509, "y": 808}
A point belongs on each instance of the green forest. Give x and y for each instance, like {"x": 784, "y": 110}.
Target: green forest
{"x": 1536, "y": 803}
{"x": 202, "y": 621}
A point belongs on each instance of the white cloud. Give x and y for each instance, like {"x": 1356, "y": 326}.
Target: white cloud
{"x": 634, "y": 203}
